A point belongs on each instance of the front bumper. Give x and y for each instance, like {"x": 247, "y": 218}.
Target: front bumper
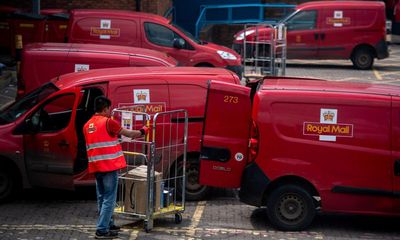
{"x": 382, "y": 50}
{"x": 254, "y": 183}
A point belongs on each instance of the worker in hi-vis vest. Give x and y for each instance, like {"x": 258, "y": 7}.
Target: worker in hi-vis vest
{"x": 105, "y": 158}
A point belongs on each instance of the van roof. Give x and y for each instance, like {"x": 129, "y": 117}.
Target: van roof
{"x": 101, "y": 48}
{"x": 303, "y": 84}
{"x": 108, "y": 13}
{"x": 335, "y": 4}
{"x": 124, "y": 73}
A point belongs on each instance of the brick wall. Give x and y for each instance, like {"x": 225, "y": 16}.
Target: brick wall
{"x": 152, "y": 6}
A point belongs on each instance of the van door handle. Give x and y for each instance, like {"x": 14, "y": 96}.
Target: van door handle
{"x": 63, "y": 143}
{"x": 322, "y": 36}
{"x": 316, "y": 35}
{"x": 397, "y": 168}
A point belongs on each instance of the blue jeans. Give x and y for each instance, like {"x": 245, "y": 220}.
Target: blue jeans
{"x": 106, "y": 189}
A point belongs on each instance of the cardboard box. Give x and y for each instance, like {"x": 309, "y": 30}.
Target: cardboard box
{"x": 136, "y": 190}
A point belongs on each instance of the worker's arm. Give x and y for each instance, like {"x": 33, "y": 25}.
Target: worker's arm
{"x": 134, "y": 133}
{"x": 130, "y": 133}
{"x": 115, "y": 129}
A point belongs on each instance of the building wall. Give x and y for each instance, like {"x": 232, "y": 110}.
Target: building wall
{"x": 151, "y": 6}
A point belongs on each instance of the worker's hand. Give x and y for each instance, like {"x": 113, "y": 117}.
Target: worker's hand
{"x": 144, "y": 130}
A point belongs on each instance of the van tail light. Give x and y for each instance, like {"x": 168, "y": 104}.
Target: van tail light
{"x": 253, "y": 142}
{"x": 20, "y": 86}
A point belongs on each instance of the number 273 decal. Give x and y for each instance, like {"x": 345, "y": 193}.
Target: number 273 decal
{"x": 231, "y": 99}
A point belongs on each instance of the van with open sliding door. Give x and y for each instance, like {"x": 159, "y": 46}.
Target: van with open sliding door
{"x": 41, "y": 138}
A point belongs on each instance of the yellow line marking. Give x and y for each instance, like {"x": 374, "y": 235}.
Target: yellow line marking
{"x": 133, "y": 235}
{"x": 377, "y": 75}
{"x": 198, "y": 213}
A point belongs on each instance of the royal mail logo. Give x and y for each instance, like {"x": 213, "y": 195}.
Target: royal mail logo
{"x": 335, "y": 21}
{"x": 151, "y": 108}
{"x": 91, "y": 128}
{"x": 141, "y": 96}
{"x": 328, "y": 116}
{"x": 113, "y": 32}
{"x": 318, "y": 129}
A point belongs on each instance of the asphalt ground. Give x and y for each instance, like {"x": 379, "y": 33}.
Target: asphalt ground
{"x": 385, "y": 71}
{"x": 53, "y": 214}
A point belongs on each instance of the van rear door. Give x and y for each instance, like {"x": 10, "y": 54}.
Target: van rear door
{"x": 396, "y": 153}
{"x": 225, "y": 135}
{"x": 50, "y": 141}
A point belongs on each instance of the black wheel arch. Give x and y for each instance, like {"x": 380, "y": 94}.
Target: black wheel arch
{"x": 189, "y": 156}
{"x": 364, "y": 46}
{"x": 11, "y": 167}
{"x": 291, "y": 180}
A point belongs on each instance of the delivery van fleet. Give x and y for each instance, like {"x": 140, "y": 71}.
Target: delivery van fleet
{"x": 301, "y": 146}
{"x": 354, "y": 30}
{"x": 43, "y": 61}
{"x": 42, "y": 143}
{"x": 151, "y": 31}
{"x": 296, "y": 146}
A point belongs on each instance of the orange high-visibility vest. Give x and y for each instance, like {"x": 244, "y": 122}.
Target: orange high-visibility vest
{"x": 104, "y": 152}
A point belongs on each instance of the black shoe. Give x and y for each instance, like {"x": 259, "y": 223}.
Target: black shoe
{"x": 108, "y": 235}
{"x": 115, "y": 228}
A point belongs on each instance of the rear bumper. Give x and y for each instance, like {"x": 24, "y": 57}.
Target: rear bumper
{"x": 382, "y": 50}
{"x": 254, "y": 183}
{"x": 238, "y": 69}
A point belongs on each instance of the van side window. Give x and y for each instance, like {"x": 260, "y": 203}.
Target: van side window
{"x": 160, "y": 35}
{"x": 303, "y": 20}
{"x": 54, "y": 115}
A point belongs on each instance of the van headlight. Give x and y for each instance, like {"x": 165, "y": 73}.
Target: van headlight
{"x": 226, "y": 55}
{"x": 244, "y": 34}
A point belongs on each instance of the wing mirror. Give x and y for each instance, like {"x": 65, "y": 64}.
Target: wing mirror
{"x": 179, "y": 43}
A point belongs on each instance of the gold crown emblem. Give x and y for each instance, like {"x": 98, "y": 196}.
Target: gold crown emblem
{"x": 328, "y": 116}
{"x": 141, "y": 96}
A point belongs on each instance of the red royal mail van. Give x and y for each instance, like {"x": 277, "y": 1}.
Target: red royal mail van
{"x": 354, "y": 30}
{"x": 44, "y": 61}
{"x": 302, "y": 146}
{"x": 151, "y": 31}
{"x": 42, "y": 143}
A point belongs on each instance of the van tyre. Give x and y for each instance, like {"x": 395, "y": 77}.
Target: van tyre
{"x": 8, "y": 184}
{"x": 290, "y": 208}
{"x": 194, "y": 191}
{"x": 363, "y": 58}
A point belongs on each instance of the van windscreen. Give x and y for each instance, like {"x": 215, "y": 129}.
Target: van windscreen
{"x": 19, "y": 107}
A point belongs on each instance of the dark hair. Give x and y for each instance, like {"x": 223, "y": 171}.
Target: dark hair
{"x": 100, "y": 103}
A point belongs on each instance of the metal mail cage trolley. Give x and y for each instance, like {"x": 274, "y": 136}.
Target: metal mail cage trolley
{"x": 265, "y": 54}
{"x": 152, "y": 185}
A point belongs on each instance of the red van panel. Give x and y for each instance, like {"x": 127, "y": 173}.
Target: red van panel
{"x": 44, "y": 61}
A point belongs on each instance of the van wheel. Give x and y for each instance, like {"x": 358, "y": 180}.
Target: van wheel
{"x": 363, "y": 59}
{"x": 8, "y": 184}
{"x": 290, "y": 208}
{"x": 194, "y": 191}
